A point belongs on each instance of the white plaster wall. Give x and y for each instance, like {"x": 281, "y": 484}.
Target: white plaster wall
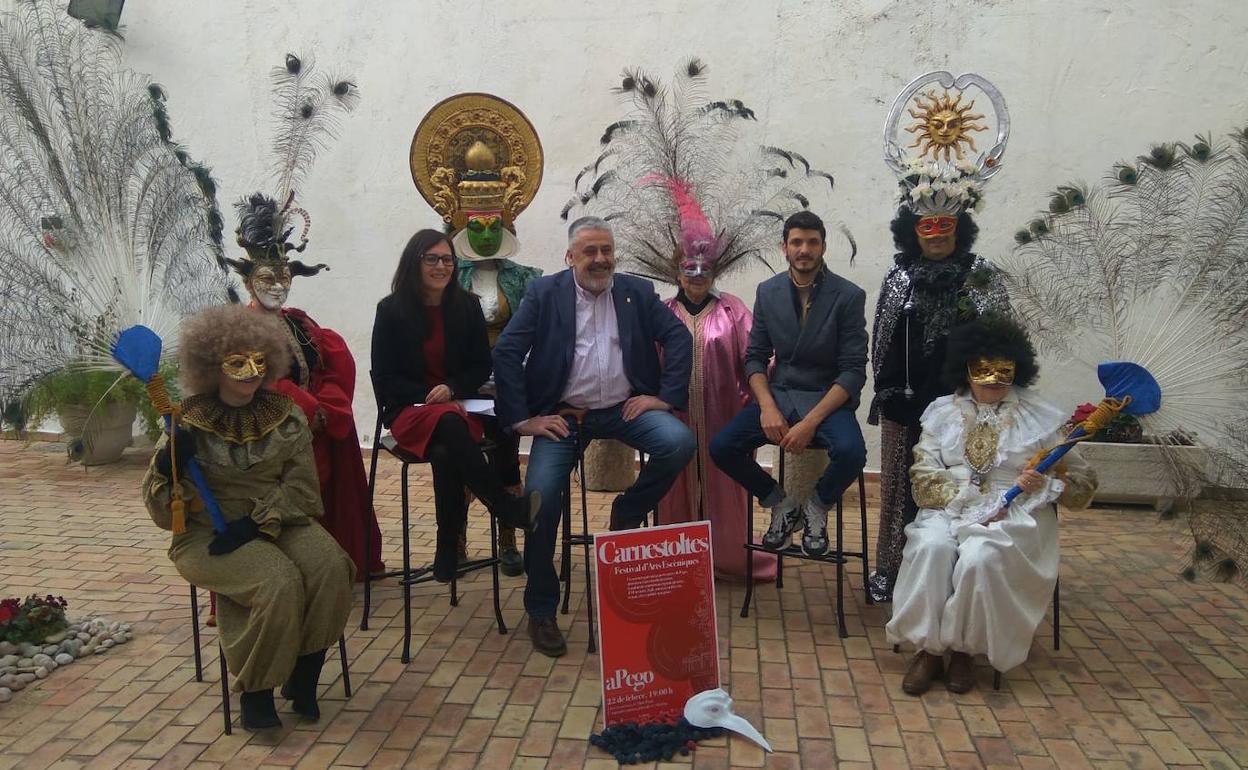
{"x": 1087, "y": 83}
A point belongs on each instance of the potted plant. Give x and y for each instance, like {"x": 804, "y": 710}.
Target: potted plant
{"x": 96, "y": 410}
{"x": 1133, "y": 467}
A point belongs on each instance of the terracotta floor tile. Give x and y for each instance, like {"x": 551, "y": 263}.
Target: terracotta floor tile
{"x": 1150, "y": 673}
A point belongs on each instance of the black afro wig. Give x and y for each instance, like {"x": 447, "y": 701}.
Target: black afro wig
{"x": 907, "y": 242}
{"x": 992, "y": 336}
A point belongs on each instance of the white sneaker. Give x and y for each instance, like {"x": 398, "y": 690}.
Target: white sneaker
{"x": 786, "y": 518}
{"x": 815, "y": 538}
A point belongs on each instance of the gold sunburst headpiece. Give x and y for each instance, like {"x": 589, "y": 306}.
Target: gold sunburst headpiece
{"x": 942, "y": 172}
{"x": 943, "y": 124}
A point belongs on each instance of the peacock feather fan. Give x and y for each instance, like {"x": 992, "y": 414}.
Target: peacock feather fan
{"x": 105, "y": 222}
{"x": 308, "y": 107}
{"x": 1148, "y": 266}
{"x": 677, "y": 161}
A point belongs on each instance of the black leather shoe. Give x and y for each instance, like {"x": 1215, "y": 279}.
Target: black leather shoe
{"x": 621, "y": 521}
{"x": 521, "y": 512}
{"x": 300, "y": 689}
{"x": 258, "y": 710}
{"x": 547, "y": 638}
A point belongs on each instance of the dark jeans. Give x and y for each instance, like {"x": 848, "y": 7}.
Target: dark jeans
{"x": 733, "y": 447}
{"x": 458, "y": 462}
{"x": 668, "y": 445}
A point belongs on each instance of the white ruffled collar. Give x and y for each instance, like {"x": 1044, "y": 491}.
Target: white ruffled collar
{"x": 1027, "y": 421}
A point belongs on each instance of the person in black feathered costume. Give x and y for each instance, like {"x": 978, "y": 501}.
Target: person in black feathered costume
{"x": 936, "y": 283}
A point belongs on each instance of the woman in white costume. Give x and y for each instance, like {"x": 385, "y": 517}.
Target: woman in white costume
{"x": 973, "y": 579}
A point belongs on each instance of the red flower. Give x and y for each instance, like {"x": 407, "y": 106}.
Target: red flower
{"x": 1082, "y": 413}
{"x": 9, "y": 609}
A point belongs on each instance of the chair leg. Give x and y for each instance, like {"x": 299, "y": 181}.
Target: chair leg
{"x": 749, "y": 555}
{"x": 199, "y": 662}
{"x": 862, "y": 522}
{"x": 368, "y": 530}
{"x": 779, "y": 558}
{"x": 346, "y": 673}
{"x": 996, "y": 680}
{"x": 225, "y": 691}
{"x": 1057, "y": 614}
{"x": 588, "y": 544}
{"x": 498, "y": 608}
{"x": 407, "y": 571}
{"x": 840, "y": 568}
{"x": 565, "y": 551}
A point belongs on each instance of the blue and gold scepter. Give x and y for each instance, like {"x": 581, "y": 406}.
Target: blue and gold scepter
{"x": 1129, "y": 389}
{"x": 138, "y": 350}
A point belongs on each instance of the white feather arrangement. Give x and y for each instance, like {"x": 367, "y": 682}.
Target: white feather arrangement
{"x": 105, "y": 223}
{"x": 1149, "y": 267}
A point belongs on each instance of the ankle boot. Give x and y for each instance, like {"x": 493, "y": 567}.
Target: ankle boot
{"x": 258, "y": 710}
{"x": 300, "y": 689}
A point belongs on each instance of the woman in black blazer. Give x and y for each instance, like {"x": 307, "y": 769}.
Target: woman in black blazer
{"x": 430, "y": 348}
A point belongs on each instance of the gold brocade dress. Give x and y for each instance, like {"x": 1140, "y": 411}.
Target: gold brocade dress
{"x": 288, "y": 592}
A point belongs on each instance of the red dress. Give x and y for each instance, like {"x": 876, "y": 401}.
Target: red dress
{"x": 339, "y": 461}
{"x": 414, "y": 425}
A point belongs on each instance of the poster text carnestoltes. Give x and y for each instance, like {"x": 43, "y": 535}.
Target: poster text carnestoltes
{"x": 656, "y": 615}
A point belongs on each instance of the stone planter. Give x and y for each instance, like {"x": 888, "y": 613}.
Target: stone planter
{"x": 111, "y": 432}
{"x": 1142, "y": 473}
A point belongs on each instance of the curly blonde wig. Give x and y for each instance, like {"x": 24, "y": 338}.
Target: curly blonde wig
{"x": 210, "y": 336}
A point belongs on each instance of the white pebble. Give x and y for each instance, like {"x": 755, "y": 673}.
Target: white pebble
{"x": 41, "y": 672}
{"x": 83, "y": 636}
{"x": 26, "y": 678}
{"x": 5, "y": 695}
{"x": 64, "y": 659}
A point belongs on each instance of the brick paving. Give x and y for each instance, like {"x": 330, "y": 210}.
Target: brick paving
{"x": 1152, "y": 672}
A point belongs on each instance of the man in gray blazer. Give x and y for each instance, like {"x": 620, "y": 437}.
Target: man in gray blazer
{"x": 814, "y": 324}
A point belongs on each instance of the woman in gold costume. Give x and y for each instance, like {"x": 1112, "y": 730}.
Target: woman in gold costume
{"x": 283, "y": 583}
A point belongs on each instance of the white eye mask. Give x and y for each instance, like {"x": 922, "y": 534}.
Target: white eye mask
{"x": 713, "y": 708}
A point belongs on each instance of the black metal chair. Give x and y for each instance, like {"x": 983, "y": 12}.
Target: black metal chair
{"x": 225, "y": 686}
{"x": 835, "y": 555}
{"x": 408, "y": 576}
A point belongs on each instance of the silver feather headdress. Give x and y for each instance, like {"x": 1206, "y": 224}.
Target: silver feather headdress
{"x": 1149, "y": 266}
{"x": 676, "y": 179}
{"x": 308, "y": 110}
{"x": 105, "y": 223}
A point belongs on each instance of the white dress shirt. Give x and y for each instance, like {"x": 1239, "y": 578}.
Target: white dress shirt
{"x": 597, "y": 379}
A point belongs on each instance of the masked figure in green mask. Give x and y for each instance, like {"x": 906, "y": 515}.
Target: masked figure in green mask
{"x": 477, "y": 160}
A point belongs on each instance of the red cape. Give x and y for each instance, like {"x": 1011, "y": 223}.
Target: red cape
{"x": 339, "y": 461}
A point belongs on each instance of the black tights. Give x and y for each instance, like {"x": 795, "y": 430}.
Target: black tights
{"x": 457, "y": 462}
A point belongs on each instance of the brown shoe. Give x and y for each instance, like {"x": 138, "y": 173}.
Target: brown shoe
{"x": 961, "y": 674}
{"x": 923, "y": 668}
{"x": 547, "y": 638}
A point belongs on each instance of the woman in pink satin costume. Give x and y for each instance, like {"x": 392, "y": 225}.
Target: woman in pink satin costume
{"x": 720, "y": 325}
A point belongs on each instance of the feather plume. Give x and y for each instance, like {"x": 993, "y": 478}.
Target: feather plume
{"x": 105, "y": 222}
{"x": 678, "y": 160}
{"x": 1148, "y": 266}
{"x": 307, "y": 113}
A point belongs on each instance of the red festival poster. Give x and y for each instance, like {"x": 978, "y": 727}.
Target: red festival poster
{"x": 656, "y": 619}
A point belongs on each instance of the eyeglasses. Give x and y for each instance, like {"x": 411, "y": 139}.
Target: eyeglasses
{"x": 433, "y": 259}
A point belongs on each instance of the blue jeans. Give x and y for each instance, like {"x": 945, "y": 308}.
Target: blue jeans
{"x": 668, "y": 445}
{"x": 733, "y": 447}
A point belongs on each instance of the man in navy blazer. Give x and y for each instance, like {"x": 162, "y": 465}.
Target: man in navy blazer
{"x": 592, "y": 341}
